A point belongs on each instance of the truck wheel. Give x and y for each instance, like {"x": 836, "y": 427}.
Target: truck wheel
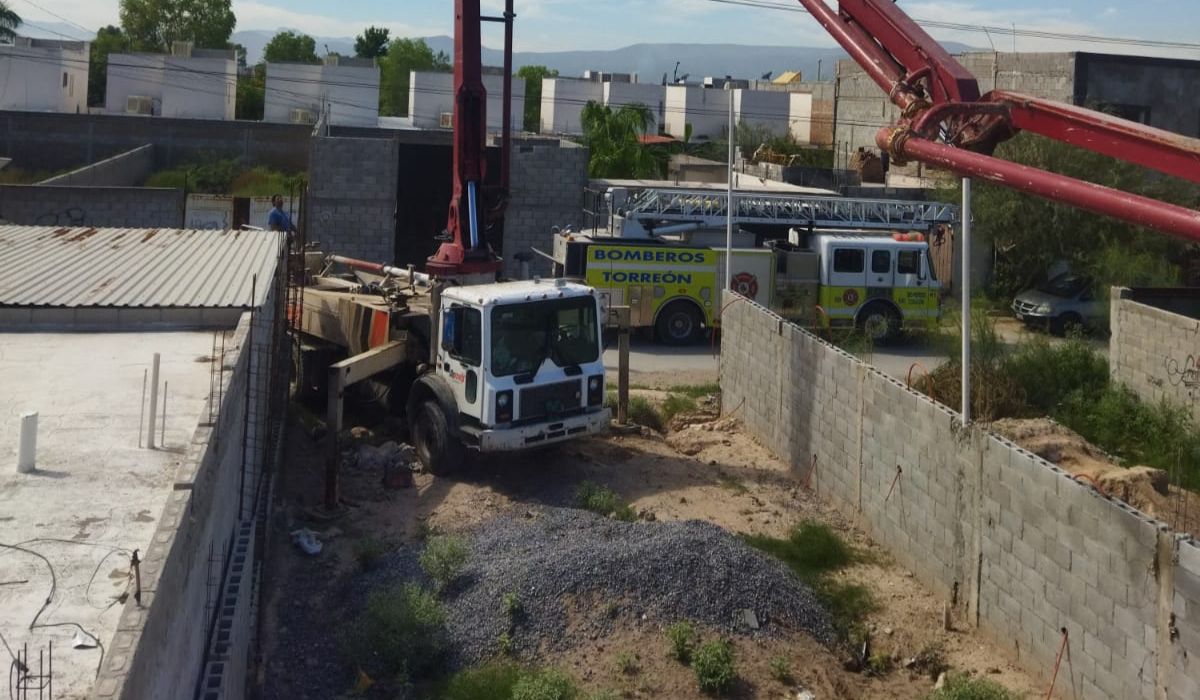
{"x": 879, "y": 322}
{"x": 679, "y": 324}
{"x": 1066, "y": 323}
{"x": 437, "y": 449}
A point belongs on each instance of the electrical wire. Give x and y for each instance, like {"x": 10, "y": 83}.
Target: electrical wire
{"x": 55, "y": 14}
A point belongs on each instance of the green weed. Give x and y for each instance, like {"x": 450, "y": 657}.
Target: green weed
{"x": 547, "y": 684}
{"x": 781, "y": 670}
{"x": 714, "y": 666}
{"x": 682, "y": 636}
{"x": 626, "y": 663}
{"x": 495, "y": 680}
{"x": 511, "y": 603}
{"x": 401, "y": 633}
{"x": 368, "y": 551}
{"x": 642, "y": 412}
{"x": 603, "y": 501}
{"x": 443, "y": 559}
{"x": 962, "y": 687}
{"x": 695, "y": 391}
{"x": 675, "y": 404}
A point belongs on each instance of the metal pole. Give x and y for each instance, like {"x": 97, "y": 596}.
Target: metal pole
{"x": 965, "y": 294}
{"x": 622, "y": 364}
{"x": 142, "y": 415}
{"x": 153, "y": 400}
{"x": 162, "y": 440}
{"x": 729, "y": 204}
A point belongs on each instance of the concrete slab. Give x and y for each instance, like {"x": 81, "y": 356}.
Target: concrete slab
{"x": 95, "y": 496}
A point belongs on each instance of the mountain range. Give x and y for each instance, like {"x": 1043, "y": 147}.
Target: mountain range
{"x": 649, "y": 61}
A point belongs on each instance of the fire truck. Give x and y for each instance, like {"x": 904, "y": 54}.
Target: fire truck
{"x": 831, "y": 260}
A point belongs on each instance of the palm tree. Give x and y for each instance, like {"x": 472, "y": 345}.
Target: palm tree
{"x": 9, "y": 21}
{"x": 613, "y": 137}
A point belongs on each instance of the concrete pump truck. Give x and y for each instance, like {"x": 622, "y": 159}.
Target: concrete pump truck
{"x": 473, "y": 363}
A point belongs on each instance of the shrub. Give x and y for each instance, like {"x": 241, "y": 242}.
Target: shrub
{"x": 931, "y": 661}
{"x": 443, "y": 559}
{"x": 961, "y": 687}
{"x": 682, "y": 636}
{"x": 368, "y": 551}
{"x": 1047, "y": 373}
{"x": 675, "y": 404}
{"x": 696, "y": 391}
{"x": 401, "y": 632}
{"x": 489, "y": 682}
{"x": 810, "y": 549}
{"x": 781, "y": 670}
{"x": 714, "y": 666}
{"x": 603, "y": 501}
{"x": 511, "y": 604}
{"x": 642, "y": 412}
{"x": 626, "y": 663}
{"x": 505, "y": 643}
{"x": 548, "y": 684}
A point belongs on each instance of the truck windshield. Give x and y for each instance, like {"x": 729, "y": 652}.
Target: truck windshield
{"x": 525, "y": 335}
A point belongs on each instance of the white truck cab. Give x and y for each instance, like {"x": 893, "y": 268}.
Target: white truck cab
{"x": 523, "y": 362}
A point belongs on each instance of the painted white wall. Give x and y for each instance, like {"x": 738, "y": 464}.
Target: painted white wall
{"x": 563, "y": 100}
{"x": 706, "y": 109}
{"x": 431, "y": 94}
{"x": 351, "y": 92}
{"x": 39, "y": 75}
{"x": 761, "y": 108}
{"x": 800, "y": 115}
{"x": 617, "y": 95}
{"x": 197, "y": 87}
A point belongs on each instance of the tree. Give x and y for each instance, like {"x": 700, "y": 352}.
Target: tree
{"x": 372, "y": 43}
{"x": 404, "y": 56}
{"x": 108, "y": 40}
{"x": 613, "y": 138}
{"x": 532, "y": 75}
{"x": 9, "y": 21}
{"x": 240, "y": 52}
{"x": 152, "y": 25}
{"x": 1030, "y": 234}
{"x": 291, "y": 46}
{"x": 251, "y": 91}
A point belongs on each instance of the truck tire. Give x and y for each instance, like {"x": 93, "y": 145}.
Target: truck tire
{"x": 1066, "y": 323}
{"x": 879, "y": 322}
{"x": 679, "y": 323}
{"x": 439, "y": 451}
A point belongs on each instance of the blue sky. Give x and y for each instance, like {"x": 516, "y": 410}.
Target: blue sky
{"x": 602, "y": 24}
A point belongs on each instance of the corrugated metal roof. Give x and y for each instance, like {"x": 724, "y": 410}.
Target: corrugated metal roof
{"x": 134, "y": 267}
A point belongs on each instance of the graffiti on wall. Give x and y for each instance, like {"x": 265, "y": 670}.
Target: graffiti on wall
{"x": 1184, "y": 375}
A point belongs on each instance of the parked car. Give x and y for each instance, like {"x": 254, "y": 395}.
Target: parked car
{"x": 1065, "y": 301}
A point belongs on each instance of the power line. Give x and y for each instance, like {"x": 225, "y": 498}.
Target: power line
{"x": 55, "y": 14}
{"x": 978, "y": 28}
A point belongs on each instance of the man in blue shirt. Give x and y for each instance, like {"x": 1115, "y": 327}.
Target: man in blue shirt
{"x": 278, "y": 220}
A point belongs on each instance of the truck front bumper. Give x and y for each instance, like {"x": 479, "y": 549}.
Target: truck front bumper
{"x": 509, "y": 439}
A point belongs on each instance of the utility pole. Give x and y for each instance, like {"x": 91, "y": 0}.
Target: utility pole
{"x": 729, "y": 200}
{"x": 965, "y": 294}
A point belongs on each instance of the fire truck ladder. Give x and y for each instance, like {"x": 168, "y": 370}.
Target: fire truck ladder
{"x": 708, "y": 208}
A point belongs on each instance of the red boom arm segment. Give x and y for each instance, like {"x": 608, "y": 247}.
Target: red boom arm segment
{"x": 945, "y": 122}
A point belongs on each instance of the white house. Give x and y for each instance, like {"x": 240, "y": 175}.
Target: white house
{"x": 189, "y": 83}
{"x": 706, "y": 109}
{"x": 43, "y": 75}
{"x": 346, "y": 88}
{"x": 800, "y": 116}
{"x": 770, "y": 110}
{"x": 431, "y": 100}
{"x": 619, "y": 94}
{"x": 563, "y": 100}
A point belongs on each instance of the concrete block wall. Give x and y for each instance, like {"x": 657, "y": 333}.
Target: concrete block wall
{"x": 127, "y": 169}
{"x": 60, "y": 205}
{"x": 1024, "y": 549}
{"x": 48, "y": 141}
{"x": 352, "y": 196}
{"x": 1153, "y": 351}
{"x": 548, "y": 178}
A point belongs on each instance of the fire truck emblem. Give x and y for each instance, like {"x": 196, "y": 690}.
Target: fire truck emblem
{"x": 850, "y": 297}
{"x": 745, "y": 284}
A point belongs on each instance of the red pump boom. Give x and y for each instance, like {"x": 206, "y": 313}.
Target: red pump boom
{"x": 946, "y": 122}
{"x": 475, "y": 209}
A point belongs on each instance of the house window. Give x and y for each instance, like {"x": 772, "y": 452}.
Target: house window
{"x": 64, "y": 78}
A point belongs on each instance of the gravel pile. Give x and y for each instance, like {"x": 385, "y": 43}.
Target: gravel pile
{"x": 571, "y": 568}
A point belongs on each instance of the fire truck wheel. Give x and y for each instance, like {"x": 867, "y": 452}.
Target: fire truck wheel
{"x": 879, "y": 322}
{"x": 438, "y": 450}
{"x": 679, "y": 323}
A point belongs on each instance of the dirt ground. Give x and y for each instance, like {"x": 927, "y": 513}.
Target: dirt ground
{"x": 1147, "y": 489}
{"x": 711, "y": 471}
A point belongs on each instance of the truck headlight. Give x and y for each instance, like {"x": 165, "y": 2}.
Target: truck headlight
{"x": 504, "y": 407}
{"x": 1044, "y": 309}
{"x": 595, "y": 390}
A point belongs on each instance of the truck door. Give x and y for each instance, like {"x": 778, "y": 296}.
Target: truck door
{"x": 460, "y": 356}
{"x": 910, "y": 268}
{"x": 881, "y": 275}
